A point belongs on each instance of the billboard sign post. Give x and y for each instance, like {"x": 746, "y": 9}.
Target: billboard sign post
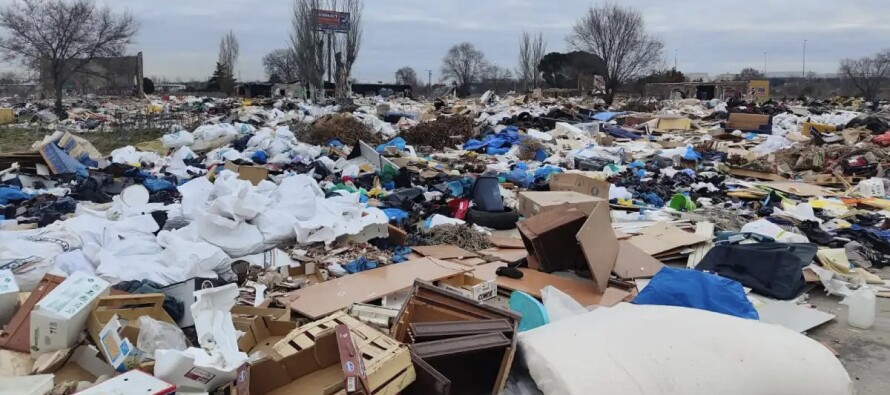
{"x": 332, "y": 21}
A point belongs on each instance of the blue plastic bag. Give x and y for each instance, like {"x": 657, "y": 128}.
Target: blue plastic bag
{"x": 156, "y": 185}
{"x": 395, "y": 214}
{"x": 259, "y": 157}
{"x": 359, "y": 265}
{"x": 697, "y": 290}
{"x": 7, "y": 194}
{"x": 397, "y": 142}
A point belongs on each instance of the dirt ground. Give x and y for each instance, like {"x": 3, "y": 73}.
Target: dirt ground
{"x": 865, "y": 353}
{"x": 15, "y": 139}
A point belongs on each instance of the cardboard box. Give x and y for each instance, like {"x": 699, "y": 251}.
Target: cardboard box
{"x": 307, "y": 361}
{"x": 748, "y": 122}
{"x": 108, "y": 307}
{"x": 582, "y": 182}
{"x": 16, "y": 335}
{"x": 261, "y": 329}
{"x": 471, "y": 287}
{"x": 254, "y": 174}
{"x": 549, "y": 238}
{"x": 59, "y": 318}
{"x": 117, "y": 350}
{"x": 9, "y": 296}
{"x": 819, "y": 127}
{"x": 132, "y": 382}
{"x": 7, "y": 115}
{"x": 531, "y": 203}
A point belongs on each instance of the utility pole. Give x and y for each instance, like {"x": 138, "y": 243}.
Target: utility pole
{"x": 429, "y": 83}
{"x": 804, "y": 72}
{"x": 764, "y": 64}
{"x": 675, "y": 59}
{"x": 330, "y": 47}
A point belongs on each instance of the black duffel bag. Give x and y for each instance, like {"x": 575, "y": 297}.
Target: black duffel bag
{"x": 770, "y": 269}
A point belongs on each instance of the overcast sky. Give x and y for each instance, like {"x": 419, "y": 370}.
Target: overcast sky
{"x": 180, "y": 38}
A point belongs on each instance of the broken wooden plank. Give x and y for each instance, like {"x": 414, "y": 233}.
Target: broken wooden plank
{"x": 701, "y": 229}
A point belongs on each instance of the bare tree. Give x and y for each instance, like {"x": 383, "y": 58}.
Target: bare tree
{"x": 618, "y": 36}
{"x": 61, "y": 37}
{"x": 228, "y": 52}
{"x": 347, "y": 44}
{"x": 539, "y": 48}
{"x": 748, "y": 74}
{"x": 531, "y": 51}
{"x": 309, "y": 43}
{"x": 281, "y": 64}
{"x": 10, "y": 77}
{"x": 869, "y": 75}
{"x": 406, "y": 75}
{"x": 525, "y": 68}
{"x": 464, "y": 64}
{"x": 495, "y": 77}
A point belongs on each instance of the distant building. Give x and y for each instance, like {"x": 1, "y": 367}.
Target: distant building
{"x": 170, "y": 88}
{"x": 250, "y": 90}
{"x": 704, "y": 77}
{"x": 23, "y": 89}
{"x": 115, "y": 76}
{"x": 698, "y": 90}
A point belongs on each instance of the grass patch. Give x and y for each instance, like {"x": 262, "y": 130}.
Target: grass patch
{"x": 18, "y": 140}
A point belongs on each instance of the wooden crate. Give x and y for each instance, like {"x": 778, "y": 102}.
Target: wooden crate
{"x": 387, "y": 362}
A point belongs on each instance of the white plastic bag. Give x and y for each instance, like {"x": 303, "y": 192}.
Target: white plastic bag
{"x": 159, "y": 335}
{"x": 559, "y": 305}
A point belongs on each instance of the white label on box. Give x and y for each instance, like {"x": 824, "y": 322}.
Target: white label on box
{"x": 75, "y": 293}
{"x": 7, "y": 282}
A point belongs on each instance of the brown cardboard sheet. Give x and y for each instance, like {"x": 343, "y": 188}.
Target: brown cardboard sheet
{"x": 505, "y": 254}
{"x": 533, "y": 281}
{"x": 583, "y": 182}
{"x": 600, "y": 246}
{"x": 325, "y": 298}
{"x": 444, "y": 251}
{"x": 801, "y": 189}
{"x": 506, "y": 242}
{"x": 663, "y": 237}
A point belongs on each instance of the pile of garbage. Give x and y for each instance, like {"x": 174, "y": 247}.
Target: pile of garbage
{"x": 437, "y": 238}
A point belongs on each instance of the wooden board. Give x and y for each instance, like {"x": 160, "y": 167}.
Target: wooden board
{"x": 322, "y": 299}
{"x": 739, "y": 172}
{"x": 801, "y": 189}
{"x": 702, "y": 229}
{"x": 532, "y": 281}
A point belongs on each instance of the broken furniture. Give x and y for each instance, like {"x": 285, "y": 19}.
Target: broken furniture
{"x": 466, "y": 361}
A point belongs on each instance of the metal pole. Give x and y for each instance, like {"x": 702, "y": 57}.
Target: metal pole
{"x": 429, "y": 82}
{"x": 330, "y": 44}
{"x": 764, "y": 65}
{"x": 804, "y": 72}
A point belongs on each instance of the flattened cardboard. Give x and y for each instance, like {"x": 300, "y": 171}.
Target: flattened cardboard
{"x": 801, "y": 189}
{"x": 740, "y": 121}
{"x": 531, "y": 203}
{"x": 506, "y": 242}
{"x": 325, "y": 298}
{"x": 254, "y": 174}
{"x": 600, "y": 246}
{"x": 505, "y": 254}
{"x": 532, "y": 282}
{"x": 584, "y": 182}
{"x": 663, "y": 237}
{"x": 634, "y": 263}
{"x": 444, "y": 251}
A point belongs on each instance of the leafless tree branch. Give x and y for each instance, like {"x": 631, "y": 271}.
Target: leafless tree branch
{"x": 869, "y": 75}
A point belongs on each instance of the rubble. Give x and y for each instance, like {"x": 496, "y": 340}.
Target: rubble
{"x": 256, "y": 243}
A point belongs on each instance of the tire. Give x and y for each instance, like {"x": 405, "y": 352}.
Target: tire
{"x": 501, "y": 220}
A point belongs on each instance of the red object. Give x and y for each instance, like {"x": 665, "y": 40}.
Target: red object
{"x": 459, "y": 207}
{"x": 882, "y": 140}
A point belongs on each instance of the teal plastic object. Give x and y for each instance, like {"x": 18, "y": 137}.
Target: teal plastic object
{"x": 532, "y": 311}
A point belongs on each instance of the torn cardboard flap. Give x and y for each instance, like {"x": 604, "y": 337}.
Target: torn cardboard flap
{"x": 254, "y": 174}
{"x": 605, "y": 253}
{"x": 663, "y": 237}
{"x": 531, "y": 203}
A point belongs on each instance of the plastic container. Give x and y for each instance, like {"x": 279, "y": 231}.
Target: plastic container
{"x": 861, "y": 312}
{"x": 872, "y": 188}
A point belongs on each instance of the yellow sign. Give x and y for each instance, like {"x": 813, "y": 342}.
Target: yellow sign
{"x": 759, "y": 90}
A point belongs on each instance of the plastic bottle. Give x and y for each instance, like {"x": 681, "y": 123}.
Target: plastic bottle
{"x": 861, "y": 312}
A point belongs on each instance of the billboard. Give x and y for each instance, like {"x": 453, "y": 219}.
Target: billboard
{"x": 332, "y": 21}
{"x": 759, "y": 90}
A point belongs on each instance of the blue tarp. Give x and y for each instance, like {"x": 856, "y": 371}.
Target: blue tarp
{"x": 259, "y": 157}
{"x": 606, "y": 116}
{"x": 495, "y": 144}
{"x": 397, "y": 142}
{"x": 157, "y": 184}
{"x": 360, "y": 265}
{"x": 7, "y": 194}
{"x": 697, "y": 290}
{"x": 395, "y": 214}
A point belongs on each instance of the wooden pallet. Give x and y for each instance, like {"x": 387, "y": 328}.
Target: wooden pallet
{"x": 831, "y": 179}
{"x": 387, "y": 362}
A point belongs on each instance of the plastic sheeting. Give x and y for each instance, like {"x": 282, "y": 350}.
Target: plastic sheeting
{"x": 698, "y": 290}
{"x": 660, "y": 350}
